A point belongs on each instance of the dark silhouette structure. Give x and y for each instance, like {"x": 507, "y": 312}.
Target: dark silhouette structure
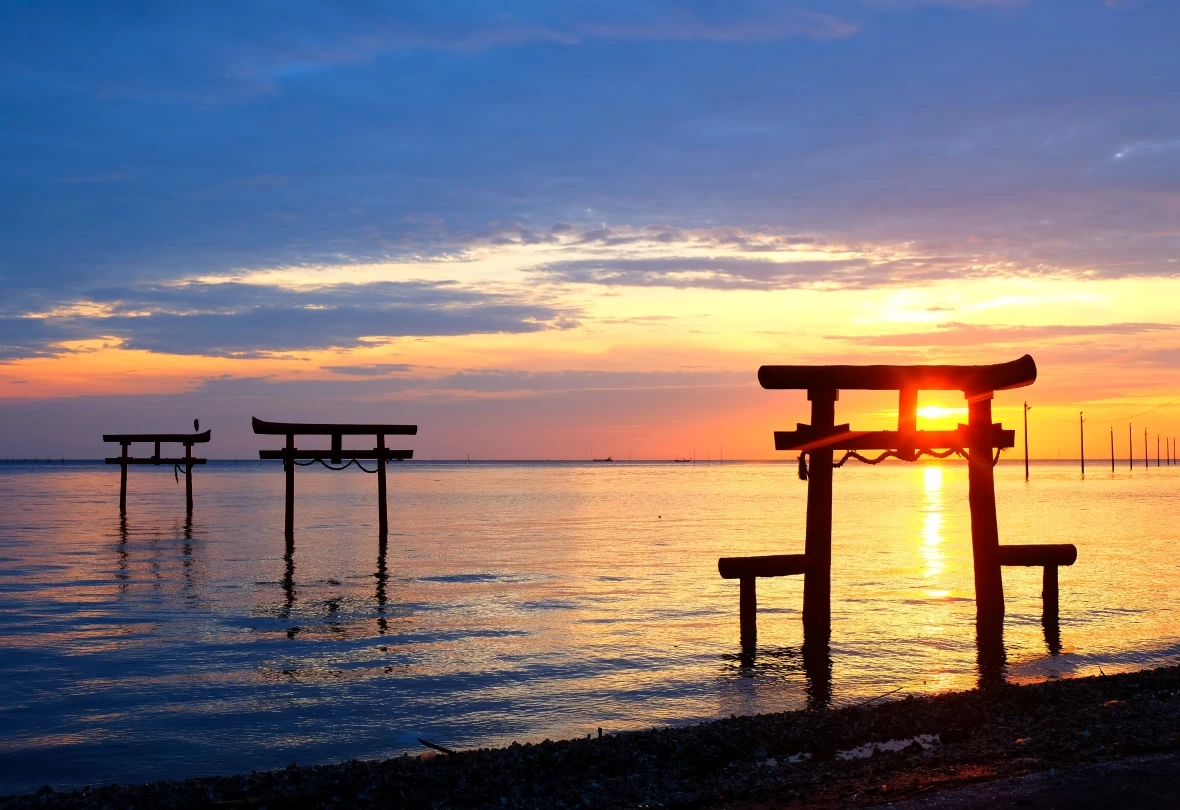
{"x": 186, "y": 462}
{"x": 293, "y": 457}
{"x": 974, "y": 441}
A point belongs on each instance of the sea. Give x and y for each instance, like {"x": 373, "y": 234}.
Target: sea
{"x": 523, "y": 601}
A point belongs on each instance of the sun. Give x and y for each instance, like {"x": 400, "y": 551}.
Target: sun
{"x": 935, "y": 412}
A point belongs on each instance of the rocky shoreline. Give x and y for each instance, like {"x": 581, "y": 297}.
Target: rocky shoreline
{"x": 854, "y": 756}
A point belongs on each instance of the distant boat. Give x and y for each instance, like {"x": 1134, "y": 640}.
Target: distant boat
{"x": 608, "y": 458}
{"x": 682, "y": 460}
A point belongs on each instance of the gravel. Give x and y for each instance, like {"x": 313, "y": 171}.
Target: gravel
{"x": 904, "y": 748}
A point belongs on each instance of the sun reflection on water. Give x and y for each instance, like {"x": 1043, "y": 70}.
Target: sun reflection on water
{"x": 932, "y": 532}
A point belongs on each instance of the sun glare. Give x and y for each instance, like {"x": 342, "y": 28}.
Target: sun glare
{"x": 939, "y": 412}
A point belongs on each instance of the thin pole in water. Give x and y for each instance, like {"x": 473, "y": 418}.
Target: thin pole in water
{"x": 1112, "y": 450}
{"x": 1082, "y": 435}
{"x": 1130, "y": 447}
{"x": 1146, "y": 461}
{"x": 1026, "y": 410}
{"x": 1157, "y": 449}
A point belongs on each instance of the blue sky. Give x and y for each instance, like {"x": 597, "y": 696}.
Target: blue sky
{"x": 151, "y": 149}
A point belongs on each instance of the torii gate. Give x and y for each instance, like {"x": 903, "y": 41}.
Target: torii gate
{"x": 976, "y": 440}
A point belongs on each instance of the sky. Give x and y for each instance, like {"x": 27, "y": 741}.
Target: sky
{"x": 568, "y": 229}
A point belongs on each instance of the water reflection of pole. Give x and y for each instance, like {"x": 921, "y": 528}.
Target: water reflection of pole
{"x": 817, "y": 666}
{"x": 289, "y": 579}
{"x": 991, "y": 658}
{"x": 121, "y": 573}
{"x": 382, "y": 578}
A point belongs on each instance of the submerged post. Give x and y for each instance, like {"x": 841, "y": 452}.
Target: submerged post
{"x": 382, "y": 507}
{"x": 985, "y": 532}
{"x": 188, "y": 474}
{"x": 817, "y": 582}
{"x": 289, "y": 467}
{"x": 123, "y": 478}
{"x": 748, "y": 612}
{"x": 1050, "y": 598}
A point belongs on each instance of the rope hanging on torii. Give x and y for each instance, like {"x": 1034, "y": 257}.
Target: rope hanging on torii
{"x": 897, "y": 454}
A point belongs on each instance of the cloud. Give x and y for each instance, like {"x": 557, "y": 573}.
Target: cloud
{"x": 744, "y": 273}
{"x": 370, "y": 369}
{"x": 243, "y": 320}
{"x": 963, "y": 334}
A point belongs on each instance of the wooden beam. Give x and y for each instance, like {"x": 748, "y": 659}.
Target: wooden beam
{"x": 179, "y": 438}
{"x": 1039, "y": 554}
{"x": 330, "y": 455}
{"x": 969, "y": 379}
{"x": 324, "y": 429}
{"x": 805, "y": 439}
{"x": 771, "y": 565}
{"x": 155, "y": 462}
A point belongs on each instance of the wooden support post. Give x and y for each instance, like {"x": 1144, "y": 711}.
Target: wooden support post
{"x": 123, "y": 479}
{"x": 1026, "y": 441}
{"x": 1050, "y": 601}
{"x": 1112, "y": 450}
{"x": 1130, "y": 448}
{"x": 1157, "y": 449}
{"x": 289, "y": 465}
{"x": 748, "y": 612}
{"x": 985, "y": 532}
{"x": 1082, "y": 437}
{"x": 382, "y": 507}
{"x": 157, "y": 455}
{"x": 817, "y": 582}
{"x": 1146, "y": 460}
{"x": 188, "y": 475}
{"x": 907, "y": 419}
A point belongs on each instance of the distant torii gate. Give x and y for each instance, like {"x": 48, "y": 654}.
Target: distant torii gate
{"x": 976, "y": 440}
{"x": 292, "y": 457}
{"x": 187, "y": 461}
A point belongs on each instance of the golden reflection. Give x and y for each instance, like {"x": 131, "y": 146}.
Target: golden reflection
{"x": 932, "y": 532}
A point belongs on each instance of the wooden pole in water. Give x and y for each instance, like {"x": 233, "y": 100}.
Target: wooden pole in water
{"x": 817, "y": 582}
{"x": 1157, "y": 449}
{"x": 289, "y": 511}
{"x": 748, "y": 612}
{"x": 1130, "y": 447}
{"x": 1026, "y": 409}
{"x": 123, "y": 479}
{"x": 1146, "y": 461}
{"x": 1082, "y": 434}
{"x": 1112, "y": 450}
{"x": 1050, "y": 599}
{"x": 188, "y": 476}
{"x": 382, "y": 507}
{"x": 985, "y": 532}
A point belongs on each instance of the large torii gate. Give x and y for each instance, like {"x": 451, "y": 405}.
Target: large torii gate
{"x": 976, "y": 441}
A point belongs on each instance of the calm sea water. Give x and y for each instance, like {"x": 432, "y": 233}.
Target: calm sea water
{"x": 517, "y": 602}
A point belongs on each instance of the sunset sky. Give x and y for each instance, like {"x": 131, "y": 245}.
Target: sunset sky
{"x": 565, "y": 229}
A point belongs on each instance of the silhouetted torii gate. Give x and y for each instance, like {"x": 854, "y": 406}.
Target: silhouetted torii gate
{"x": 291, "y": 456}
{"x": 187, "y": 461}
{"x": 976, "y": 440}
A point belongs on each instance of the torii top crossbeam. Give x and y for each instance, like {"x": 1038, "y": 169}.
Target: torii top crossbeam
{"x": 968, "y": 379}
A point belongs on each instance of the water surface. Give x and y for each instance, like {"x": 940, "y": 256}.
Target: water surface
{"x": 518, "y": 602}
